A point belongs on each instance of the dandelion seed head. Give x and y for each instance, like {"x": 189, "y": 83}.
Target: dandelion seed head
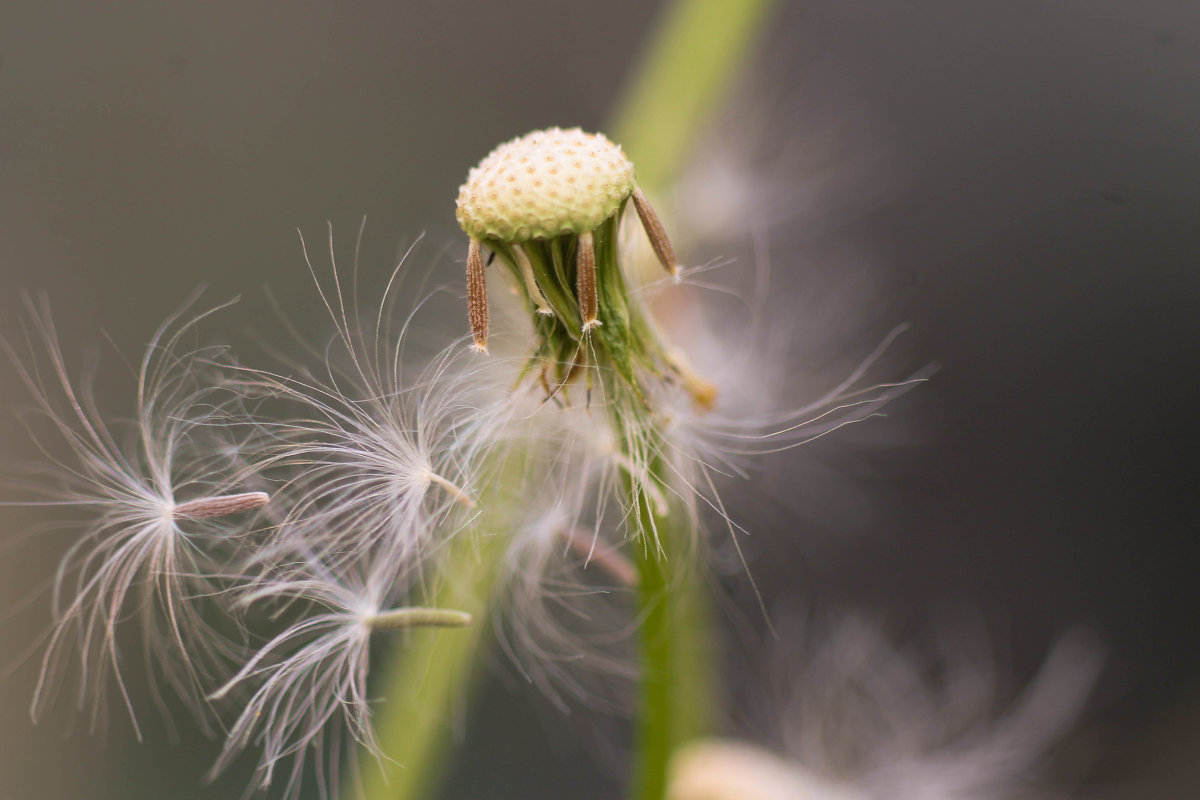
{"x": 545, "y": 184}
{"x": 537, "y": 200}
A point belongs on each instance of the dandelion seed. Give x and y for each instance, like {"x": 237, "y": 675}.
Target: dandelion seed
{"x": 585, "y": 268}
{"x": 561, "y": 620}
{"x": 137, "y": 550}
{"x": 656, "y": 233}
{"x": 308, "y": 683}
{"x": 373, "y": 461}
{"x": 221, "y": 506}
{"x": 531, "y": 286}
{"x": 477, "y": 296}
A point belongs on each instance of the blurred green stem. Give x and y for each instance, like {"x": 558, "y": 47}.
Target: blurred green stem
{"x": 429, "y": 679}
{"x": 683, "y": 76}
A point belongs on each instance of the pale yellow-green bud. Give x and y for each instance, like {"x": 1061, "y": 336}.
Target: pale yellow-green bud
{"x": 545, "y": 184}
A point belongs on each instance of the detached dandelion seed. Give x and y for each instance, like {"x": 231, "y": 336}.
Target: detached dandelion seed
{"x": 309, "y": 682}
{"x": 376, "y": 460}
{"x": 867, "y": 720}
{"x": 138, "y": 551}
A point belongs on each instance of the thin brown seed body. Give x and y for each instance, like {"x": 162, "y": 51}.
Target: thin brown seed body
{"x": 585, "y": 280}
{"x": 603, "y": 555}
{"x": 477, "y": 308}
{"x": 411, "y": 617}
{"x": 220, "y": 506}
{"x": 656, "y": 233}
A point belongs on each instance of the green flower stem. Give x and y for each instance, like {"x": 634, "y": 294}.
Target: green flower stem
{"x": 428, "y": 680}
{"x": 655, "y": 737}
{"x": 676, "y": 690}
{"x": 684, "y": 74}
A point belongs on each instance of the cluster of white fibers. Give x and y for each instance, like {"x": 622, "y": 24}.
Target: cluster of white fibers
{"x": 263, "y": 618}
{"x": 567, "y": 581}
{"x": 376, "y": 461}
{"x": 372, "y": 467}
{"x": 153, "y": 509}
{"x": 857, "y": 717}
{"x": 308, "y": 683}
{"x": 377, "y": 467}
{"x": 918, "y": 723}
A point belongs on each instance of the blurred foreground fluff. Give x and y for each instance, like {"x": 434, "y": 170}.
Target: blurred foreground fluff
{"x": 266, "y": 529}
{"x": 862, "y": 718}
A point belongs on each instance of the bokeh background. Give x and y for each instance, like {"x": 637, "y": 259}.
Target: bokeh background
{"x": 1018, "y": 180}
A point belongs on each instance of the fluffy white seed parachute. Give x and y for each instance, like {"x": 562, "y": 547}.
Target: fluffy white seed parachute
{"x": 308, "y": 695}
{"x": 151, "y": 503}
{"x": 378, "y": 462}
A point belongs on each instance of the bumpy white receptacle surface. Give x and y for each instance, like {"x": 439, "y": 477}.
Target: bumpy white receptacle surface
{"x": 545, "y": 184}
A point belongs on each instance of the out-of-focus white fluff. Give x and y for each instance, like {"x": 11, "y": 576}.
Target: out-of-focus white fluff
{"x": 862, "y": 718}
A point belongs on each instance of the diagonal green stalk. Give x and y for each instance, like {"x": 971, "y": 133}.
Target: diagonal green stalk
{"x": 684, "y": 74}
{"x": 429, "y": 680}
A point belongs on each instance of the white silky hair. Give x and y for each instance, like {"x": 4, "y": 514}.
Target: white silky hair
{"x": 566, "y": 587}
{"x": 585, "y": 451}
{"x": 307, "y": 684}
{"x": 928, "y": 723}
{"x": 373, "y": 468}
{"x": 379, "y": 460}
{"x": 379, "y": 453}
{"x": 146, "y": 501}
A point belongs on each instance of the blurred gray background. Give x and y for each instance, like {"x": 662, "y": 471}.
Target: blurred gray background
{"x": 1019, "y": 180}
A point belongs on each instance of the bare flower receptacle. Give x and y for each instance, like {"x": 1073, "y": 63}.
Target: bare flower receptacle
{"x": 536, "y": 200}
